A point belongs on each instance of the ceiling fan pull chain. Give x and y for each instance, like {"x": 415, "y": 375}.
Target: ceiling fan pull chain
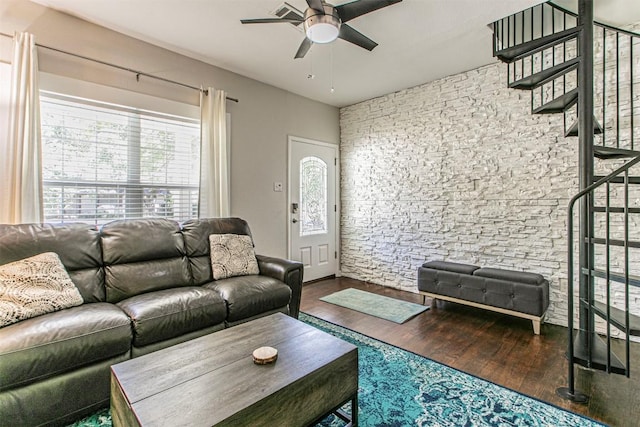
{"x": 311, "y": 76}
{"x": 332, "y": 88}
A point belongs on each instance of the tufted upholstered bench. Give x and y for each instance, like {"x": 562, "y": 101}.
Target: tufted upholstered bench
{"x": 510, "y": 292}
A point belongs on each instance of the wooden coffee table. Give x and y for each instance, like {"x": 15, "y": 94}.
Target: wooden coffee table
{"x": 212, "y": 380}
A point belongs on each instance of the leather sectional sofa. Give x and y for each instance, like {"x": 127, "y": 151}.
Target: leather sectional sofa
{"x": 146, "y": 284}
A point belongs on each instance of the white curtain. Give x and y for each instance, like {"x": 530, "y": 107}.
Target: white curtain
{"x": 214, "y": 156}
{"x": 21, "y": 173}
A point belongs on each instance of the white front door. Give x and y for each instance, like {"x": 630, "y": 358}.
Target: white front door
{"x": 312, "y": 207}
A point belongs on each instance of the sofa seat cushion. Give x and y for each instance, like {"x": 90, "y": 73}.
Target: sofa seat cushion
{"x": 161, "y": 315}
{"x": 248, "y": 296}
{"x": 47, "y": 345}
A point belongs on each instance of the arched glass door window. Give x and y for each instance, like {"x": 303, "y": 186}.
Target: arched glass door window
{"x": 313, "y": 196}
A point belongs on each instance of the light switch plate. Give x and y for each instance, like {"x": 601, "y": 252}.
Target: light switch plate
{"x": 277, "y": 186}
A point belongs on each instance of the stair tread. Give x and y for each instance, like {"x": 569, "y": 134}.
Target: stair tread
{"x": 512, "y": 53}
{"x": 615, "y": 242}
{"x": 602, "y": 152}
{"x": 617, "y": 318}
{"x": 573, "y": 130}
{"x": 535, "y": 80}
{"x": 598, "y": 354}
{"x": 615, "y": 209}
{"x": 559, "y": 104}
{"x": 613, "y": 276}
{"x": 619, "y": 179}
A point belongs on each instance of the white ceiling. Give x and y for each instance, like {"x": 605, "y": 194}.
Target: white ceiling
{"x": 419, "y": 40}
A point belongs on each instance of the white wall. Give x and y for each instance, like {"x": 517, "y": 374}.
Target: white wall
{"x": 458, "y": 170}
{"x": 261, "y": 121}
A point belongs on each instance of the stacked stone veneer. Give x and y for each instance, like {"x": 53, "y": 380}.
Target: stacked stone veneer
{"x": 459, "y": 170}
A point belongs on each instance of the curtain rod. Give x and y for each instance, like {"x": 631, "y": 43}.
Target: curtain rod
{"x": 120, "y": 67}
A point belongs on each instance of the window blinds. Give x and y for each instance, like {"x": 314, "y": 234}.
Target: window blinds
{"x": 103, "y": 162}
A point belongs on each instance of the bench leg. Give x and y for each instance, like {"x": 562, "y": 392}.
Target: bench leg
{"x": 536, "y": 326}
{"x": 433, "y": 300}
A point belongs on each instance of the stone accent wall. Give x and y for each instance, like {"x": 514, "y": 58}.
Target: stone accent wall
{"x": 460, "y": 170}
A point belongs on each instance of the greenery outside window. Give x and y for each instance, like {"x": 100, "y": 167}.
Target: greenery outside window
{"x": 103, "y": 162}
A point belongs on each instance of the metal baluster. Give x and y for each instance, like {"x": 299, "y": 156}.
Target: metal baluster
{"x": 631, "y": 89}
{"x": 564, "y": 58}
{"x": 522, "y": 29}
{"x": 604, "y": 86}
{"x": 533, "y": 9}
{"x": 542, "y": 21}
{"x": 608, "y": 273}
{"x": 590, "y": 278}
{"x": 626, "y": 273}
{"x": 617, "y": 90}
{"x": 532, "y": 56}
{"x": 571, "y": 390}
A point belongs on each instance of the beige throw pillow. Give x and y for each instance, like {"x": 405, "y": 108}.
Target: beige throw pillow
{"x": 34, "y": 286}
{"x": 232, "y": 255}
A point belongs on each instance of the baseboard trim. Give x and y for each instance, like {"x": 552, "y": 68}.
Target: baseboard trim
{"x": 333, "y": 276}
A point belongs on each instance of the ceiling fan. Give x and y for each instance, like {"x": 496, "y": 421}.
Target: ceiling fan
{"x": 323, "y": 22}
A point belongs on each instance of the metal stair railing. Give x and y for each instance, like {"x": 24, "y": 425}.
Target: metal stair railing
{"x": 615, "y": 134}
{"x": 529, "y": 25}
{"x": 539, "y": 44}
{"x": 556, "y": 54}
{"x": 540, "y": 47}
{"x": 611, "y": 70}
{"x": 588, "y": 192}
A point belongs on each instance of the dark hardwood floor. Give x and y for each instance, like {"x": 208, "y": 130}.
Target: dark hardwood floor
{"x": 499, "y": 348}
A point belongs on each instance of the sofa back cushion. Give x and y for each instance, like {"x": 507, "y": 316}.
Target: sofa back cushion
{"x": 77, "y": 246}
{"x": 143, "y": 255}
{"x": 196, "y": 238}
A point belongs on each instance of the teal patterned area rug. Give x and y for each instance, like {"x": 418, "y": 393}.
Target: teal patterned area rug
{"x": 375, "y": 305}
{"x": 398, "y": 388}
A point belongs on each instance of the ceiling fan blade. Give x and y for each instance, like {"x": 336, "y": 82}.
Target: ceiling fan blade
{"x": 349, "y": 34}
{"x": 304, "y": 48}
{"x": 316, "y": 5}
{"x": 270, "y": 20}
{"x": 348, "y": 11}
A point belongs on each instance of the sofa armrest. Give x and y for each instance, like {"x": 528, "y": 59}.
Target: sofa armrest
{"x": 289, "y": 272}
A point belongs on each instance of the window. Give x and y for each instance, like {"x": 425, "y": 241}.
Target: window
{"x": 313, "y": 196}
{"x": 103, "y": 162}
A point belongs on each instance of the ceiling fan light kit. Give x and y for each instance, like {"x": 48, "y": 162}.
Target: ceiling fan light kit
{"x": 323, "y": 22}
{"x": 322, "y": 27}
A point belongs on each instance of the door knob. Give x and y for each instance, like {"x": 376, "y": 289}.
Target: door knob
{"x": 294, "y": 220}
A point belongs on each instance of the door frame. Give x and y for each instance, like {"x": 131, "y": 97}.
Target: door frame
{"x": 292, "y": 139}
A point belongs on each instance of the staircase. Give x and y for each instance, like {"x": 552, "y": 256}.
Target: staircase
{"x": 590, "y": 73}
